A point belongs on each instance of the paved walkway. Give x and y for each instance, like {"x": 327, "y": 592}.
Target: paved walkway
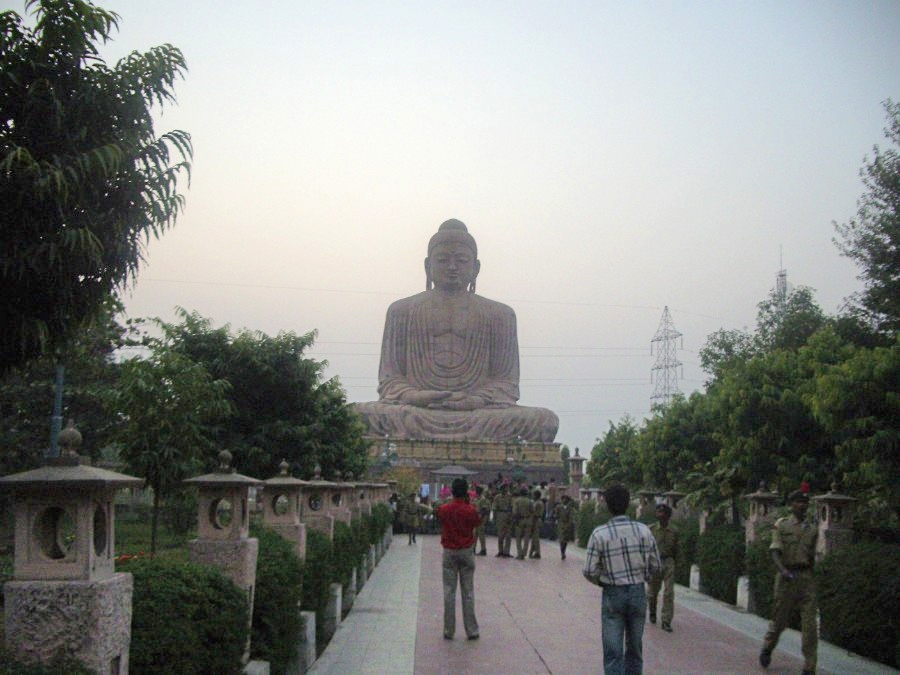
{"x": 540, "y": 616}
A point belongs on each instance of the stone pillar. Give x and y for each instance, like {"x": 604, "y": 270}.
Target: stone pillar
{"x": 66, "y": 596}
{"x": 762, "y": 504}
{"x": 576, "y": 470}
{"x": 223, "y": 526}
{"x": 834, "y": 512}
{"x": 282, "y": 496}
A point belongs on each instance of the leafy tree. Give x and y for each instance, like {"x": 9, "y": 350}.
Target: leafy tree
{"x": 84, "y": 180}
{"x": 283, "y": 409}
{"x": 872, "y": 238}
{"x": 614, "y": 458}
{"x": 725, "y": 349}
{"x": 169, "y": 405}
{"x": 27, "y": 394}
{"x": 787, "y": 323}
{"x": 677, "y": 439}
{"x": 857, "y": 400}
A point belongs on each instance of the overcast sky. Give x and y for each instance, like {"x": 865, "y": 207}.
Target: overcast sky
{"x": 610, "y": 158}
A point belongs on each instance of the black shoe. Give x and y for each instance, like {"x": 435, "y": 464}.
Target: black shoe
{"x": 666, "y": 627}
{"x": 765, "y": 658}
{"x": 474, "y": 637}
{"x": 483, "y": 552}
{"x": 652, "y": 617}
{"x": 500, "y": 555}
{"x": 808, "y": 672}
{"x": 563, "y": 556}
{"x": 447, "y": 636}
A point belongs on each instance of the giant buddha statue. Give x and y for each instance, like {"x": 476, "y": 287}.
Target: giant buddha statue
{"x": 450, "y": 358}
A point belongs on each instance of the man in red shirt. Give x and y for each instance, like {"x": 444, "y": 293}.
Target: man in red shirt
{"x": 458, "y": 520}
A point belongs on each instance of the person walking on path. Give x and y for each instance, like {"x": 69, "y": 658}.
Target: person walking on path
{"x": 666, "y": 536}
{"x": 521, "y": 515}
{"x": 793, "y": 550}
{"x": 621, "y": 557}
{"x": 537, "y": 519}
{"x": 483, "y": 505}
{"x": 564, "y": 513}
{"x": 458, "y": 519}
{"x": 502, "y": 507}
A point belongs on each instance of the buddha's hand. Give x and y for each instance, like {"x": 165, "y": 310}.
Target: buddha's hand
{"x": 423, "y": 398}
{"x": 460, "y": 401}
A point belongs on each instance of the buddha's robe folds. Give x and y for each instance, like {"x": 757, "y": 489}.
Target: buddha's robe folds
{"x": 463, "y": 344}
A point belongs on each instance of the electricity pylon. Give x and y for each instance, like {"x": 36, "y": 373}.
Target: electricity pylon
{"x": 664, "y": 374}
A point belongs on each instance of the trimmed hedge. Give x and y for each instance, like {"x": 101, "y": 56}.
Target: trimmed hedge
{"x": 720, "y": 554}
{"x": 187, "y": 618}
{"x": 761, "y": 575}
{"x": 858, "y": 594}
{"x": 10, "y": 666}
{"x": 316, "y": 579}
{"x": 276, "y": 627}
{"x": 688, "y": 538}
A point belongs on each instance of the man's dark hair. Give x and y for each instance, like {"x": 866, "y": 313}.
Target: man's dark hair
{"x": 665, "y": 508}
{"x": 617, "y": 499}
{"x": 459, "y": 487}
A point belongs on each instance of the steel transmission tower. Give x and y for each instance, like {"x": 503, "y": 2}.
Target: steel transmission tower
{"x": 664, "y": 374}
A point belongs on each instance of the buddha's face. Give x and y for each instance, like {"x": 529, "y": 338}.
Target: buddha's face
{"x": 452, "y": 266}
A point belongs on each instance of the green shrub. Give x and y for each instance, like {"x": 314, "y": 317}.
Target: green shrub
{"x": 10, "y": 666}
{"x": 345, "y": 552}
{"x": 276, "y": 628}
{"x": 186, "y": 618}
{"x": 590, "y": 514}
{"x": 720, "y": 554}
{"x": 858, "y": 595}
{"x": 688, "y": 536}
{"x": 761, "y": 573}
{"x": 316, "y": 579}
{"x": 382, "y": 518}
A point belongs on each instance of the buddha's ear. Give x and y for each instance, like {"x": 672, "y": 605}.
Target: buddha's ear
{"x": 427, "y": 275}
{"x": 477, "y": 267}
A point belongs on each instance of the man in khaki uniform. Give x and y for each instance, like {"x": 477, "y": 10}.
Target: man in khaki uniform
{"x": 537, "y": 519}
{"x": 483, "y": 505}
{"x": 502, "y": 507}
{"x": 667, "y": 542}
{"x": 521, "y": 514}
{"x": 564, "y": 512}
{"x": 793, "y": 550}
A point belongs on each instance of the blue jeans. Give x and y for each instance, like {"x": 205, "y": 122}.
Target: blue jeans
{"x": 622, "y": 618}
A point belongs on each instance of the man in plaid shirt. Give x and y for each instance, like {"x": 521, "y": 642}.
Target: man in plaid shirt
{"x": 621, "y": 557}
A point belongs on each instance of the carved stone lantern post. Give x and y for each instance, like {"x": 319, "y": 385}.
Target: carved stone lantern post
{"x": 646, "y": 502}
{"x": 672, "y": 497}
{"x": 317, "y": 501}
{"x": 223, "y": 528}
{"x": 66, "y": 596}
{"x": 342, "y": 498}
{"x": 834, "y": 512}
{"x": 762, "y": 503}
{"x": 282, "y": 497}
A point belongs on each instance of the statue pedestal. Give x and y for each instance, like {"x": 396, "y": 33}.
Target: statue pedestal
{"x": 89, "y": 620}
{"x": 535, "y": 461}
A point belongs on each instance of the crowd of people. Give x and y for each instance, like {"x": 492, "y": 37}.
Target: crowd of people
{"x": 631, "y": 561}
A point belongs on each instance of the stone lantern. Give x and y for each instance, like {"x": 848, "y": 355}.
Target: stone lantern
{"x": 282, "y": 497}
{"x": 66, "y": 596}
{"x": 318, "y": 498}
{"x": 223, "y": 527}
{"x": 834, "y": 513}
{"x": 646, "y": 502}
{"x": 342, "y": 499}
{"x": 762, "y": 503}
{"x": 671, "y": 498}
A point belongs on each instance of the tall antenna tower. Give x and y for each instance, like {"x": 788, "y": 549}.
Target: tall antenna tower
{"x": 781, "y": 283}
{"x": 664, "y": 374}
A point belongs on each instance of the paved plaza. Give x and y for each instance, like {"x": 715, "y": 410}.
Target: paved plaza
{"x": 540, "y": 616}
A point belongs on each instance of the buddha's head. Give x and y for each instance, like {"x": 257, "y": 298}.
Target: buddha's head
{"x": 452, "y": 263}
